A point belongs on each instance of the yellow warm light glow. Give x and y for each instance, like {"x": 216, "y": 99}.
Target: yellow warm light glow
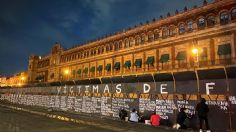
{"x": 66, "y": 71}
{"x": 195, "y": 51}
{"x": 19, "y": 84}
{"x": 22, "y": 78}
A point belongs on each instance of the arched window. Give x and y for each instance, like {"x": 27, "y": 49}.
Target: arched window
{"x": 99, "y": 52}
{"x": 107, "y": 48}
{"x": 131, "y": 42}
{"x": 94, "y": 51}
{"x": 120, "y": 44}
{"x": 233, "y": 14}
{"x": 165, "y": 32}
{"x": 111, "y": 46}
{"x": 137, "y": 40}
{"x": 102, "y": 49}
{"x": 79, "y": 56}
{"x": 211, "y": 21}
{"x": 190, "y": 26}
{"x": 116, "y": 46}
{"x": 172, "y": 31}
{"x": 91, "y": 52}
{"x": 82, "y": 55}
{"x": 150, "y": 37}
{"x": 224, "y": 18}
{"x": 126, "y": 43}
{"x": 181, "y": 28}
{"x": 88, "y": 53}
{"x": 201, "y": 23}
{"x": 156, "y": 35}
{"x": 143, "y": 38}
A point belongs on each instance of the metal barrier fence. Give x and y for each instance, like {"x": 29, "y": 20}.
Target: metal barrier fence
{"x": 164, "y": 93}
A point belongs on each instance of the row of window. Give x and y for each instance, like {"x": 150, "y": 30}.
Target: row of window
{"x": 223, "y": 50}
{"x": 202, "y": 22}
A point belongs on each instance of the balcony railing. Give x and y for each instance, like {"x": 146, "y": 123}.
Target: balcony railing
{"x": 163, "y": 67}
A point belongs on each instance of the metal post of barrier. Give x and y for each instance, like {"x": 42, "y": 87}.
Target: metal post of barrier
{"x": 229, "y": 103}
{"x": 155, "y": 87}
{"x": 174, "y": 96}
{"x": 198, "y": 84}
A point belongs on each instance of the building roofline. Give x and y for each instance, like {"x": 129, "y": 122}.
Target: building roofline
{"x": 156, "y": 23}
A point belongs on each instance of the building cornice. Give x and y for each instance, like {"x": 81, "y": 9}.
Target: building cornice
{"x": 217, "y": 30}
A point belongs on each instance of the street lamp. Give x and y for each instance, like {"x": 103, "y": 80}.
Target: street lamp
{"x": 195, "y": 52}
{"x": 19, "y": 84}
{"x": 66, "y": 72}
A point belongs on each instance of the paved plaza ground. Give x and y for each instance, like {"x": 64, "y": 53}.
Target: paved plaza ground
{"x": 13, "y": 120}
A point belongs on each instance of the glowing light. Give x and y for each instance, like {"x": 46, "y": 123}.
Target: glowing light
{"x": 22, "y": 78}
{"x": 66, "y": 71}
{"x": 195, "y": 51}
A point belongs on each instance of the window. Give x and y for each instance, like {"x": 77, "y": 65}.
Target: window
{"x": 102, "y": 49}
{"x": 203, "y": 54}
{"x": 111, "y": 47}
{"x": 165, "y": 32}
{"x": 233, "y": 14}
{"x": 201, "y": 23}
{"x": 211, "y": 21}
{"x": 138, "y": 63}
{"x": 143, "y": 39}
{"x": 116, "y": 46}
{"x": 120, "y": 44}
{"x": 85, "y": 70}
{"x": 150, "y": 37}
{"x": 126, "y": 43}
{"x": 150, "y": 61}
{"x": 79, "y": 71}
{"x": 94, "y": 51}
{"x": 190, "y": 26}
{"x": 224, "y": 18}
{"x": 131, "y": 42}
{"x": 107, "y": 48}
{"x": 99, "y": 52}
{"x": 92, "y": 69}
{"x": 181, "y": 28}
{"x": 137, "y": 40}
{"x": 156, "y": 35}
{"x": 128, "y": 64}
{"x": 164, "y": 58}
{"x": 99, "y": 68}
{"x": 117, "y": 66}
{"x": 91, "y": 52}
{"x": 87, "y": 53}
{"x": 224, "y": 51}
{"x": 172, "y": 31}
{"x": 108, "y": 67}
{"x": 181, "y": 56}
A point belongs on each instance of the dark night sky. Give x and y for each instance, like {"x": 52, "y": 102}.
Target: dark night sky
{"x": 33, "y": 26}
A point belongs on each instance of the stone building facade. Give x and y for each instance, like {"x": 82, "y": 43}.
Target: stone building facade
{"x": 203, "y": 37}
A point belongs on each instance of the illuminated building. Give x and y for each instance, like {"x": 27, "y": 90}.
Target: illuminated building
{"x": 154, "y": 47}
